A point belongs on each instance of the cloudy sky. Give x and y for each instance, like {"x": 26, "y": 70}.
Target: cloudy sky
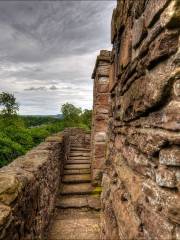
{"x": 48, "y": 50}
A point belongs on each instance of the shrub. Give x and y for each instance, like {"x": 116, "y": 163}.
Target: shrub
{"x": 9, "y": 150}
{"x": 38, "y": 134}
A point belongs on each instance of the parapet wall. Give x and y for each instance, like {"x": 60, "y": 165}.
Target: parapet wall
{"x": 141, "y": 182}
{"x": 100, "y": 115}
{"x": 28, "y": 188}
{"x": 30, "y": 184}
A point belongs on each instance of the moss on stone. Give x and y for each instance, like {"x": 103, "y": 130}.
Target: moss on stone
{"x": 96, "y": 191}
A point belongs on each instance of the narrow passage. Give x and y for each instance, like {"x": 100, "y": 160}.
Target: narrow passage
{"x": 77, "y": 209}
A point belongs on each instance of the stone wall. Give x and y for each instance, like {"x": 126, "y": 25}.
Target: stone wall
{"x": 100, "y": 115}
{"x": 28, "y": 189}
{"x": 141, "y": 182}
{"x": 30, "y": 184}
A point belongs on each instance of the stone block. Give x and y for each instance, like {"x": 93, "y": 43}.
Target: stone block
{"x": 170, "y": 18}
{"x": 103, "y": 88}
{"x": 166, "y": 118}
{"x": 96, "y": 175}
{"x": 165, "y": 45}
{"x": 109, "y": 228}
{"x": 9, "y": 187}
{"x": 125, "y": 47}
{"x": 103, "y": 80}
{"x": 166, "y": 177}
{"x": 157, "y": 227}
{"x": 161, "y": 199}
{"x": 100, "y": 150}
{"x": 103, "y": 70}
{"x": 100, "y": 136}
{"x": 102, "y": 109}
{"x": 101, "y": 126}
{"x": 102, "y": 99}
{"x": 125, "y": 213}
{"x": 147, "y": 91}
{"x": 176, "y": 88}
{"x": 150, "y": 15}
{"x": 5, "y": 212}
{"x": 138, "y": 8}
{"x": 98, "y": 162}
{"x": 131, "y": 180}
{"x": 146, "y": 142}
{"x": 170, "y": 156}
{"x": 113, "y": 25}
{"x": 138, "y": 32}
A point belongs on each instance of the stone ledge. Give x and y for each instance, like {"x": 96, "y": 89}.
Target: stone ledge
{"x": 104, "y": 56}
{"x": 28, "y": 188}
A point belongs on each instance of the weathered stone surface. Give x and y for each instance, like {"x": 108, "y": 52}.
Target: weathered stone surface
{"x": 176, "y": 88}
{"x": 138, "y": 32}
{"x": 5, "y": 212}
{"x": 170, "y": 156}
{"x": 28, "y": 187}
{"x": 102, "y": 88}
{"x": 9, "y": 187}
{"x": 166, "y": 177}
{"x": 152, "y": 15}
{"x": 150, "y": 222}
{"x": 75, "y": 226}
{"x": 126, "y": 47}
{"x": 165, "y": 45}
{"x": 124, "y": 214}
{"x": 103, "y": 99}
{"x": 171, "y": 16}
{"x": 100, "y": 137}
{"x": 141, "y": 179}
{"x": 147, "y": 92}
{"x": 166, "y": 118}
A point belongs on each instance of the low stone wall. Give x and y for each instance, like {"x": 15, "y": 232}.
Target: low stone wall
{"x": 100, "y": 114}
{"x": 30, "y": 184}
{"x": 28, "y": 189}
{"x": 141, "y": 183}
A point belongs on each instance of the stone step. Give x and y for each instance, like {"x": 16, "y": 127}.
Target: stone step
{"x": 80, "y": 145}
{"x": 77, "y": 166}
{"x": 81, "y": 188}
{"x": 79, "y": 201}
{"x": 74, "y": 149}
{"x": 79, "y": 153}
{"x": 79, "y": 158}
{"x": 75, "y": 224}
{"x": 76, "y": 171}
{"x": 82, "y": 178}
{"x": 78, "y": 161}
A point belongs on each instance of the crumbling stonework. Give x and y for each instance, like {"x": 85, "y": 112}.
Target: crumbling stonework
{"x": 30, "y": 184}
{"x": 141, "y": 181}
{"x": 28, "y": 188}
{"x": 100, "y": 115}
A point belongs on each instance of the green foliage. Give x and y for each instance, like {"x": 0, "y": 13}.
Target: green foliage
{"x": 20, "y": 134}
{"x": 38, "y": 134}
{"x": 9, "y": 150}
{"x": 76, "y": 117}
{"x": 33, "y": 121}
{"x": 8, "y": 101}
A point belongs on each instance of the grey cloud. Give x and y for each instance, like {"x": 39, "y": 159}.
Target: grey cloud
{"x": 35, "y": 89}
{"x": 48, "y": 49}
{"x": 53, "y": 87}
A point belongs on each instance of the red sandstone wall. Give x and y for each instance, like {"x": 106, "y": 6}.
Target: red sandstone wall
{"x": 100, "y": 115}
{"x": 141, "y": 182}
{"x": 29, "y": 186}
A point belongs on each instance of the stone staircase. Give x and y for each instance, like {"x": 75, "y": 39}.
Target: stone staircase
{"x": 77, "y": 209}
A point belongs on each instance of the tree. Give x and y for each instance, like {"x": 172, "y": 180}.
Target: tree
{"x": 9, "y": 104}
{"x": 71, "y": 113}
{"x": 86, "y": 117}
